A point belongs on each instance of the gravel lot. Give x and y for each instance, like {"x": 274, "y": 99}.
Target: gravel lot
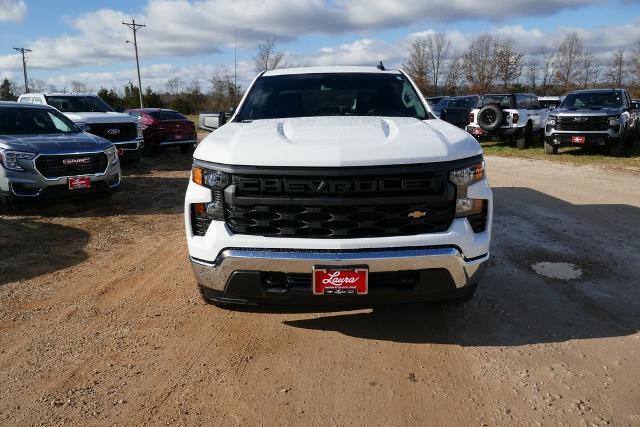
{"x": 101, "y": 322}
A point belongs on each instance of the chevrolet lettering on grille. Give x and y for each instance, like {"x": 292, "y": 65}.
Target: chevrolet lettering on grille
{"x": 276, "y": 185}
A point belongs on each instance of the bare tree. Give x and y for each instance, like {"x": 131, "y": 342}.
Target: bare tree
{"x": 37, "y": 85}
{"x": 532, "y": 71}
{"x": 617, "y": 72}
{"x": 568, "y": 61}
{"x": 438, "y": 47}
{"x": 635, "y": 62}
{"x": 589, "y": 69}
{"x": 508, "y": 62}
{"x": 417, "y": 64}
{"x": 267, "y": 58}
{"x": 174, "y": 86}
{"x": 453, "y": 74}
{"x": 548, "y": 58}
{"x": 224, "y": 93}
{"x": 78, "y": 87}
{"x": 479, "y": 63}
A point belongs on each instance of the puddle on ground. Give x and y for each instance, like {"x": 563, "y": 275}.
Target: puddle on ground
{"x": 558, "y": 270}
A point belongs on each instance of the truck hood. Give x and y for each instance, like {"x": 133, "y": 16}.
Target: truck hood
{"x": 110, "y": 117}
{"x": 54, "y": 144}
{"x": 593, "y": 111}
{"x": 336, "y": 141}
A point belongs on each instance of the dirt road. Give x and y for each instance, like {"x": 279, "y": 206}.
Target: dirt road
{"x": 101, "y": 323}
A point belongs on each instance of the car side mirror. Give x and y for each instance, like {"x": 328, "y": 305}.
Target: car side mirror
{"x": 222, "y": 119}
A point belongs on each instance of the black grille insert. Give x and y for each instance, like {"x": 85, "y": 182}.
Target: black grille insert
{"x": 71, "y": 165}
{"x": 115, "y": 132}
{"x": 582, "y": 123}
{"x": 341, "y": 207}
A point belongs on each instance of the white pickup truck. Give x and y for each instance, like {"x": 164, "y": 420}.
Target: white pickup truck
{"x": 93, "y": 115}
{"x": 337, "y": 185}
{"x": 511, "y": 116}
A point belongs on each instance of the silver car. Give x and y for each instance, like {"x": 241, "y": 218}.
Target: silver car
{"x": 43, "y": 154}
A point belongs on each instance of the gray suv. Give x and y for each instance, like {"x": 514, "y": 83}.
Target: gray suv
{"x": 44, "y": 154}
{"x": 593, "y": 117}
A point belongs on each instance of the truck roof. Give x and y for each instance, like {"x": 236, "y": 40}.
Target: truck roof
{"x": 328, "y": 69}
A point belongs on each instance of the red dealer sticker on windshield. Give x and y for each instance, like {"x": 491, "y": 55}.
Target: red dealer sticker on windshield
{"x": 340, "y": 281}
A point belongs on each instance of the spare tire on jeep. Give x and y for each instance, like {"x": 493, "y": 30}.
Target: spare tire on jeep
{"x": 490, "y": 117}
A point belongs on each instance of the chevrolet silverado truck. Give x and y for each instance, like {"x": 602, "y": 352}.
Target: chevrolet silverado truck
{"x": 593, "y": 117}
{"x": 337, "y": 185}
{"x": 514, "y": 116}
{"x": 43, "y": 154}
{"x": 95, "y": 116}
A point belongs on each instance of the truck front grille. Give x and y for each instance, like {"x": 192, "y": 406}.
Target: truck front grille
{"x": 71, "y": 165}
{"x": 343, "y": 207}
{"x": 582, "y": 123}
{"x": 115, "y": 132}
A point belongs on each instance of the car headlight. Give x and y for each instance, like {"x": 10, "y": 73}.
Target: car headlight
{"x": 11, "y": 159}
{"x": 112, "y": 154}
{"x": 551, "y": 121}
{"x": 217, "y": 181}
{"x": 84, "y": 126}
{"x": 462, "y": 179}
{"x": 140, "y": 128}
{"x": 614, "y": 121}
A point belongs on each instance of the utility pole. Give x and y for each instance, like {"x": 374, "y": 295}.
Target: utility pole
{"x": 135, "y": 27}
{"x": 235, "y": 66}
{"x": 23, "y": 51}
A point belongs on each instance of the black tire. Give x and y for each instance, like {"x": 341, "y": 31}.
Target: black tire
{"x": 185, "y": 149}
{"x": 617, "y": 148}
{"x": 525, "y": 139}
{"x": 550, "y": 148}
{"x": 490, "y": 117}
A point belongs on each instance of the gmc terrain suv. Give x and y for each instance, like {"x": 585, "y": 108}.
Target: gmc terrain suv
{"x": 517, "y": 116}
{"x": 43, "y": 154}
{"x": 593, "y": 117}
{"x": 337, "y": 185}
{"x": 93, "y": 115}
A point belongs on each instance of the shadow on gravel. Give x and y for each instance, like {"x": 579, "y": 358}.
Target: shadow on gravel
{"x": 168, "y": 160}
{"x": 30, "y": 248}
{"x": 514, "y": 304}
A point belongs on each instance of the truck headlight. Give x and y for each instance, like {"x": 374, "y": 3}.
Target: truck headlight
{"x": 216, "y": 180}
{"x": 462, "y": 179}
{"x": 614, "y": 121}
{"x": 112, "y": 154}
{"x": 11, "y": 159}
{"x": 204, "y": 213}
{"x": 84, "y": 126}
{"x": 551, "y": 121}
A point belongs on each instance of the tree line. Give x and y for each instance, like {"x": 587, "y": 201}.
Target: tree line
{"x": 493, "y": 63}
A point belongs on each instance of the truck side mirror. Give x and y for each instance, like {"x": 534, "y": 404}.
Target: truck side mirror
{"x": 222, "y": 119}
{"x": 634, "y": 105}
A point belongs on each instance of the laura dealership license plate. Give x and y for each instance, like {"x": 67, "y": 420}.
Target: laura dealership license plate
{"x": 340, "y": 281}
{"x": 79, "y": 182}
{"x": 577, "y": 139}
{"x": 477, "y": 131}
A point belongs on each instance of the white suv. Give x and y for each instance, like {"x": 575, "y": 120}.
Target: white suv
{"x": 93, "y": 115}
{"x": 337, "y": 185}
{"x": 517, "y": 116}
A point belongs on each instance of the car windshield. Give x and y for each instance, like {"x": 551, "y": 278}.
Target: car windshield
{"x": 441, "y": 105}
{"x": 465, "y": 102}
{"x": 78, "y": 104}
{"x": 546, "y": 103}
{"x": 34, "y": 121}
{"x": 593, "y": 99}
{"x": 334, "y": 94}
{"x": 504, "y": 101}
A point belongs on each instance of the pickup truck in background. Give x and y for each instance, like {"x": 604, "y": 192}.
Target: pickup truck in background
{"x": 337, "y": 185}
{"x": 593, "y": 117}
{"x": 93, "y": 115}
{"x": 509, "y": 116}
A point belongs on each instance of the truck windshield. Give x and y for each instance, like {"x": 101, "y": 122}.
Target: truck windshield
{"x": 34, "y": 121}
{"x": 332, "y": 94}
{"x": 78, "y": 104}
{"x": 593, "y": 99}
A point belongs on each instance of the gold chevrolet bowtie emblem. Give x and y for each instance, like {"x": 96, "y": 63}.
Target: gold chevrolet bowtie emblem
{"x": 417, "y": 214}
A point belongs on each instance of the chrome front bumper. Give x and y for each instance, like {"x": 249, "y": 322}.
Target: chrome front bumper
{"x": 215, "y": 275}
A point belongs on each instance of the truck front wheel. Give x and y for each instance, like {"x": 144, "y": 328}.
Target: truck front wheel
{"x": 527, "y": 138}
{"x": 550, "y": 148}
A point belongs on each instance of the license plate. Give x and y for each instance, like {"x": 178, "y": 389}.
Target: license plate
{"x": 477, "y": 131}
{"x": 79, "y": 182}
{"x": 340, "y": 281}
{"x": 577, "y": 139}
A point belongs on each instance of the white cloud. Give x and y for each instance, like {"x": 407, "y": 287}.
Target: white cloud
{"x": 12, "y": 10}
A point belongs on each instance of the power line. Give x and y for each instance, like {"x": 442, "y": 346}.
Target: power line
{"x": 23, "y": 51}
{"x": 135, "y": 27}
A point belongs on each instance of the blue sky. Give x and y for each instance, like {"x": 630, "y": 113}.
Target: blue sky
{"x": 84, "y": 40}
